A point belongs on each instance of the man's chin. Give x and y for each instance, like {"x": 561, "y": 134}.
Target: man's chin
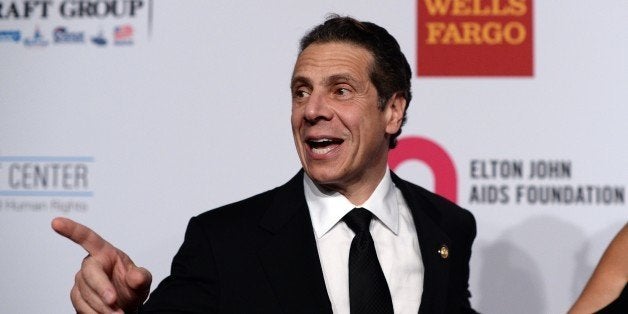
{"x": 322, "y": 177}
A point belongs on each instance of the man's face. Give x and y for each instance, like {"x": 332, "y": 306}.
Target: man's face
{"x": 340, "y": 133}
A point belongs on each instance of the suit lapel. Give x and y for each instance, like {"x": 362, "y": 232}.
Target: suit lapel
{"x": 290, "y": 257}
{"x": 431, "y": 239}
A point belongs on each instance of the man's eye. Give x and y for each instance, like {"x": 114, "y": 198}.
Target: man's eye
{"x": 299, "y": 93}
{"x": 342, "y": 91}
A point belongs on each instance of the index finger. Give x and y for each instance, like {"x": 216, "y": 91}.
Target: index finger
{"x": 80, "y": 234}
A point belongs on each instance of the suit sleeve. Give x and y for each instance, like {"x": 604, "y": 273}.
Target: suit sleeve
{"x": 462, "y": 270}
{"x": 192, "y": 286}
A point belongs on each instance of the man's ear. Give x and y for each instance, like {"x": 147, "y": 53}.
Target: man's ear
{"x": 395, "y": 107}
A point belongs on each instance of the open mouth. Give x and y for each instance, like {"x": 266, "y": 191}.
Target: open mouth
{"x": 323, "y": 145}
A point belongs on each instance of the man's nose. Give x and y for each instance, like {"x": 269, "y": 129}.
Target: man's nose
{"x": 318, "y": 108}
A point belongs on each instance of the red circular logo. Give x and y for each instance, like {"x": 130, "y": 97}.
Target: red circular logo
{"x": 436, "y": 158}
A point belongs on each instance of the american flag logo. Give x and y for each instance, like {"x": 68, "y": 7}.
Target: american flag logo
{"x": 123, "y": 33}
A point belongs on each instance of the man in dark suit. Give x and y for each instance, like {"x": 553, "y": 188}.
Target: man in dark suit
{"x": 345, "y": 235}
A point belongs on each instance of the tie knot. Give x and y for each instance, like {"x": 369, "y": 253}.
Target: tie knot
{"x": 358, "y": 219}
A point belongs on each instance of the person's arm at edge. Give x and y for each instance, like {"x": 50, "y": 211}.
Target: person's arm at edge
{"x": 608, "y": 279}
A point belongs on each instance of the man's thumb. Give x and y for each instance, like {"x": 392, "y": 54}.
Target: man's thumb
{"x": 139, "y": 279}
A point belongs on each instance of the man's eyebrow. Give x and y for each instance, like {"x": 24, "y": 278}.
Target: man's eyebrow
{"x": 300, "y": 80}
{"x": 330, "y": 80}
{"x": 337, "y": 78}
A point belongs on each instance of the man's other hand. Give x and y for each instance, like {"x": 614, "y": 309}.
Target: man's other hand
{"x": 108, "y": 281}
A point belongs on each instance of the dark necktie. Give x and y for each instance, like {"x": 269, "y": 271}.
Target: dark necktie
{"x": 368, "y": 291}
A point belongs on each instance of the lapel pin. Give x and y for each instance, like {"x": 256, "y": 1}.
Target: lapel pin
{"x": 443, "y": 251}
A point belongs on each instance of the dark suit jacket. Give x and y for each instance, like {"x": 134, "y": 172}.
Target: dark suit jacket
{"x": 259, "y": 255}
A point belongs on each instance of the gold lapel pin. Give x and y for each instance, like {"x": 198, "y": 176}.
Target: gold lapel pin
{"x": 443, "y": 251}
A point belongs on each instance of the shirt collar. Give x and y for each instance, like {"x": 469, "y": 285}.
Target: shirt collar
{"x": 328, "y": 207}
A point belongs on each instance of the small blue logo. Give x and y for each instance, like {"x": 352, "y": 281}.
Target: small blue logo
{"x": 11, "y": 35}
{"x": 99, "y": 40}
{"x": 37, "y": 40}
{"x": 62, "y": 35}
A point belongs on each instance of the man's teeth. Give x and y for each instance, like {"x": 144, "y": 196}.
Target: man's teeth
{"x": 320, "y": 142}
{"x": 322, "y": 150}
{"x": 321, "y": 145}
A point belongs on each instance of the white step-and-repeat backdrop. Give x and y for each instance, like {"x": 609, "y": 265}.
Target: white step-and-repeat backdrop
{"x": 131, "y": 116}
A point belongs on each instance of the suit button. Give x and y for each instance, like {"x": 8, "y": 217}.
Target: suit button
{"x": 443, "y": 251}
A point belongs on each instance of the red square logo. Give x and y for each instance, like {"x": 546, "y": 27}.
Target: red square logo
{"x": 475, "y": 38}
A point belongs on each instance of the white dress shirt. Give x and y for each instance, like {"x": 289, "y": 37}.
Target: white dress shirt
{"x": 393, "y": 232}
